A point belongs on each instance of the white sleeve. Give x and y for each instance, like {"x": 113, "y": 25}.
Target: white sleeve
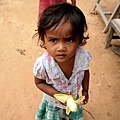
{"x": 38, "y": 69}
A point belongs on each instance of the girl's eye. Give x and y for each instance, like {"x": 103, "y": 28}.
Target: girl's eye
{"x": 53, "y": 40}
{"x": 69, "y": 40}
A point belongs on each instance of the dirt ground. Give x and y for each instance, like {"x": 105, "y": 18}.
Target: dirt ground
{"x": 19, "y": 97}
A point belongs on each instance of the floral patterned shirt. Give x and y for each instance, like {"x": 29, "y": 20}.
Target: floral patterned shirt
{"x": 46, "y": 68}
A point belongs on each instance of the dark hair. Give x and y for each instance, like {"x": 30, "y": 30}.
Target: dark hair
{"x": 53, "y": 15}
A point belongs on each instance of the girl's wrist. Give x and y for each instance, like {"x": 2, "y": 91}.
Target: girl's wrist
{"x": 84, "y": 91}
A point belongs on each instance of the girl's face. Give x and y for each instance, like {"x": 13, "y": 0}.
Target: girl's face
{"x": 60, "y": 43}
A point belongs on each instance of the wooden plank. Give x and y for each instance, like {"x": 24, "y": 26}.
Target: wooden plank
{"x": 102, "y": 13}
{"x": 114, "y": 15}
{"x": 109, "y": 37}
{"x": 95, "y": 5}
{"x": 115, "y": 23}
{"x": 113, "y": 27}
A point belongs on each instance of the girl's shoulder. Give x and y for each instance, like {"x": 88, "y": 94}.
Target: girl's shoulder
{"x": 83, "y": 52}
{"x": 83, "y": 58}
{"x": 44, "y": 57}
{"x": 45, "y": 60}
{"x": 43, "y": 64}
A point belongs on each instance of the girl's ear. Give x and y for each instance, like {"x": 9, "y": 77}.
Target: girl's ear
{"x": 42, "y": 44}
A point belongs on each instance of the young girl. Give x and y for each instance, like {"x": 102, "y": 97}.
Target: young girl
{"x": 63, "y": 68}
{"x": 43, "y": 4}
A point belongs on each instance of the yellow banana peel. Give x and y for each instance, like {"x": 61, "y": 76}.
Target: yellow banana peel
{"x": 71, "y": 103}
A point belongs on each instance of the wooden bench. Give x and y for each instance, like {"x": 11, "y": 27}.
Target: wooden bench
{"x": 114, "y": 28}
{"x": 103, "y": 14}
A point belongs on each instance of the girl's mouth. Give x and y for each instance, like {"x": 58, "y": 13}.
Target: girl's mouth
{"x": 61, "y": 56}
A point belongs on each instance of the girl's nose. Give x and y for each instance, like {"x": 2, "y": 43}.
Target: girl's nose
{"x": 61, "y": 47}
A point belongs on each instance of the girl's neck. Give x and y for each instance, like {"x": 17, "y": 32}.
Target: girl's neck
{"x": 67, "y": 67}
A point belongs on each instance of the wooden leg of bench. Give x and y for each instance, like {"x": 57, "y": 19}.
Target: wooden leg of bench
{"x": 95, "y": 5}
{"x": 109, "y": 37}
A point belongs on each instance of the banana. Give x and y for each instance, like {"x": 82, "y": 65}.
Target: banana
{"x": 71, "y": 103}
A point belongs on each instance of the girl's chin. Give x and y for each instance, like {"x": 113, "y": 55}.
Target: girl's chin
{"x": 60, "y": 60}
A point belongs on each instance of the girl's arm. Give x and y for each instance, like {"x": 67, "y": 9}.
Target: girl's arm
{"x": 73, "y": 2}
{"x": 85, "y": 86}
{"x": 43, "y": 86}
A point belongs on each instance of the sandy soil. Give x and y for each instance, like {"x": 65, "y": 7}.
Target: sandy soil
{"x": 19, "y": 97}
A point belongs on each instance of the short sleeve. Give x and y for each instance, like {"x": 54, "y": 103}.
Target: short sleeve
{"x": 83, "y": 58}
{"x": 87, "y": 61}
{"x": 38, "y": 69}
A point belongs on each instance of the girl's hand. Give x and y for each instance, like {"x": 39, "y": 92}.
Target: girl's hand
{"x": 85, "y": 93}
{"x": 65, "y": 102}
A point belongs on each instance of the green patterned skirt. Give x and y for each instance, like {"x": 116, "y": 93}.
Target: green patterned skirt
{"x": 49, "y": 112}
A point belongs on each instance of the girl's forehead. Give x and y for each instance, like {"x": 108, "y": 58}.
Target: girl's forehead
{"x": 63, "y": 28}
